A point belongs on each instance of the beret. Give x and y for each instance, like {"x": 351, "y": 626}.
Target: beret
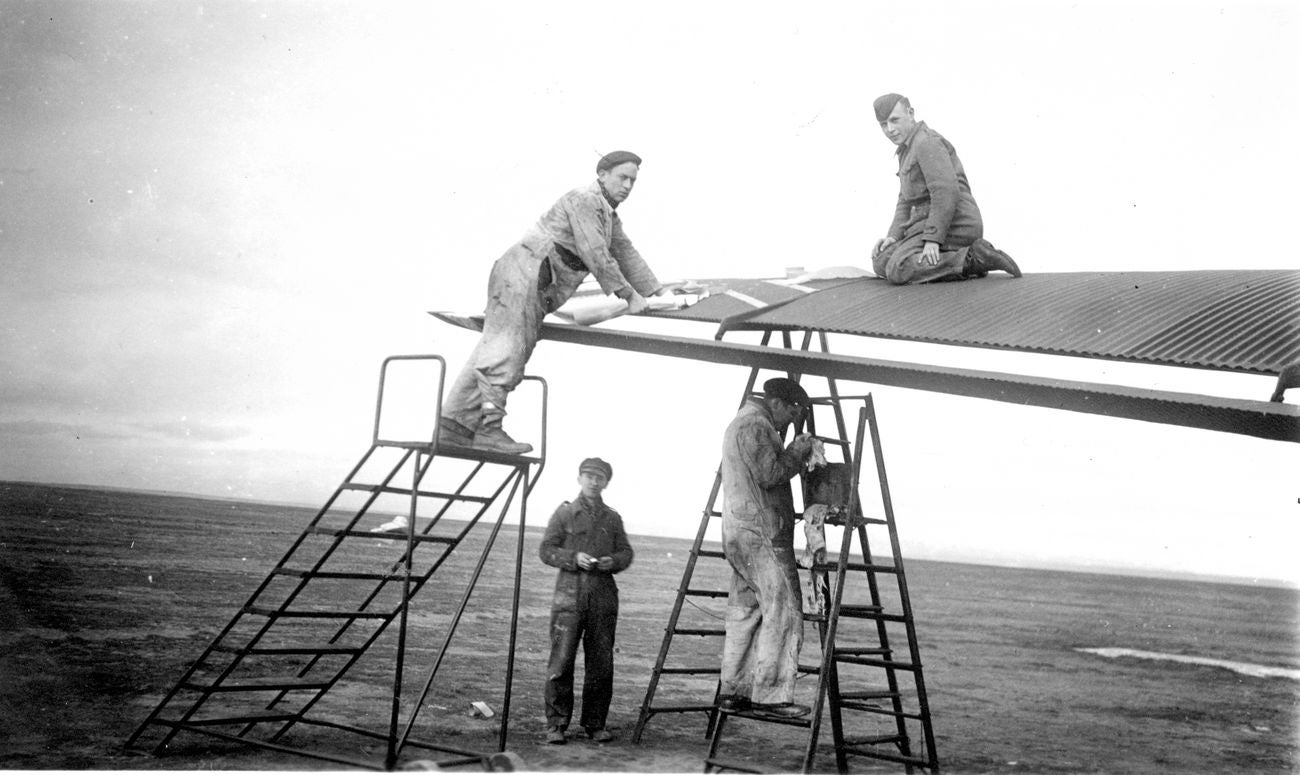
{"x": 597, "y": 465}
{"x": 885, "y": 105}
{"x": 785, "y": 389}
{"x": 611, "y": 160}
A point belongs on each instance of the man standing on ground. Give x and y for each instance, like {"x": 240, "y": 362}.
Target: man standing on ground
{"x": 586, "y": 541}
{"x": 937, "y": 233}
{"x": 580, "y": 234}
{"x": 764, "y": 628}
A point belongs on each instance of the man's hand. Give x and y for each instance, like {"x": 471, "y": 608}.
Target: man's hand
{"x": 881, "y": 244}
{"x": 605, "y": 563}
{"x": 930, "y": 253}
{"x": 585, "y": 561}
{"x": 802, "y": 445}
{"x": 636, "y": 304}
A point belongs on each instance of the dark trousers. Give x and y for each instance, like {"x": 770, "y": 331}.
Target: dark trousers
{"x": 593, "y": 626}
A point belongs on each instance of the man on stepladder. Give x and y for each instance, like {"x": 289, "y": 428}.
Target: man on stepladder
{"x": 580, "y": 234}
{"x": 585, "y": 539}
{"x": 764, "y": 627}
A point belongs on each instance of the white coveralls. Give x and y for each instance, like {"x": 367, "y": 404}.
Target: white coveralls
{"x": 581, "y": 233}
{"x": 765, "y": 608}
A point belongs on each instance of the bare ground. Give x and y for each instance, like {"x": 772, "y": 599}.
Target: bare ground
{"x": 106, "y": 597}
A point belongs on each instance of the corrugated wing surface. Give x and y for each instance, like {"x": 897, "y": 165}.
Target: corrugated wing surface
{"x": 1246, "y": 321}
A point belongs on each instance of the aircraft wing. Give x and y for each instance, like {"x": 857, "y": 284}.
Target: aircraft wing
{"x": 1244, "y": 321}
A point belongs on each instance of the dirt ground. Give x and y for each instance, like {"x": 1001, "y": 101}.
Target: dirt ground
{"x": 107, "y": 597}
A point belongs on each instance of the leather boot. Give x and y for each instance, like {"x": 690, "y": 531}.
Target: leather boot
{"x": 454, "y": 434}
{"x": 491, "y": 436}
{"x": 983, "y": 258}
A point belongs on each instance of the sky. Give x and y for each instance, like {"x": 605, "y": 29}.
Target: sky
{"x": 217, "y": 219}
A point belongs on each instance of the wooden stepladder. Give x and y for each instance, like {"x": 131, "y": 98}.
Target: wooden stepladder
{"x": 865, "y": 660}
{"x": 336, "y": 617}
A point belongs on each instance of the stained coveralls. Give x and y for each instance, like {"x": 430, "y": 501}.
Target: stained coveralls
{"x": 584, "y": 609}
{"x": 581, "y": 233}
{"x": 764, "y": 630}
{"x": 934, "y": 205}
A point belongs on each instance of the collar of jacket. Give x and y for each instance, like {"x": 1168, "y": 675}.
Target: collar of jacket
{"x": 761, "y": 405}
{"x": 605, "y": 195}
{"x": 907, "y": 141}
{"x": 589, "y": 504}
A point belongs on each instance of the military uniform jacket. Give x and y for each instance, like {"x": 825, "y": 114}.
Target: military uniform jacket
{"x": 582, "y": 525}
{"x": 932, "y": 187}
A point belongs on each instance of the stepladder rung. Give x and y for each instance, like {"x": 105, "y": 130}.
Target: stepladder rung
{"x": 861, "y": 651}
{"x": 700, "y": 631}
{"x": 682, "y": 708}
{"x": 869, "y": 750}
{"x": 868, "y": 567}
{"x": 869, "y": 695}
{"x": 713, "y": 593}
{"x": 871, "y": 612}
{"x": 758, "y": 715}
{"x": 879, "y": 710}
{"x": 691, "y": 670}
{"x": 869, "y": 662}
{"x": 301, "y": 614}
{"x": 715, "y": 554}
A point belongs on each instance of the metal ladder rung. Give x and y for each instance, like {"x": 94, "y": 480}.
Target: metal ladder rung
{"x": 879, "y": 694}
{"x": 707, "y": 593}
{"x": 879, "y": 710}
{"x": 322, "y": 574}
{"x": 388, "y": 534}
{"x": 865, "y": 662}
{"x": 758, "y": 715}
{"x": 858, "y": 651}
{"x": 831, "y": 567}
{"x": 260, "y": 685}
{"x": 875, "y": 740}
{"x": 916, "y": 761}
{"x": 299, "y": 614}
{"x": 873, "y": 613}
{"x": 322, "y": 650}
{"x": 698, "y": 631}
{"x": 251, "y": 718}
{"x": 391, "y": 490}
{"x": 682, "y": 708}
{"x": 691, "y": 671}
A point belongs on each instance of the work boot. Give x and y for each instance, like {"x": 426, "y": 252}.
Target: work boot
{"x": 492, "y": 437}
{"x": 983, "y": 258}
{"x": 782, "y": 709}
{"x": 454, "y": 434}
{"x": 555, "y": 736}
{"x": 733, "y": 703}
{"x": 601, "y": 735}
